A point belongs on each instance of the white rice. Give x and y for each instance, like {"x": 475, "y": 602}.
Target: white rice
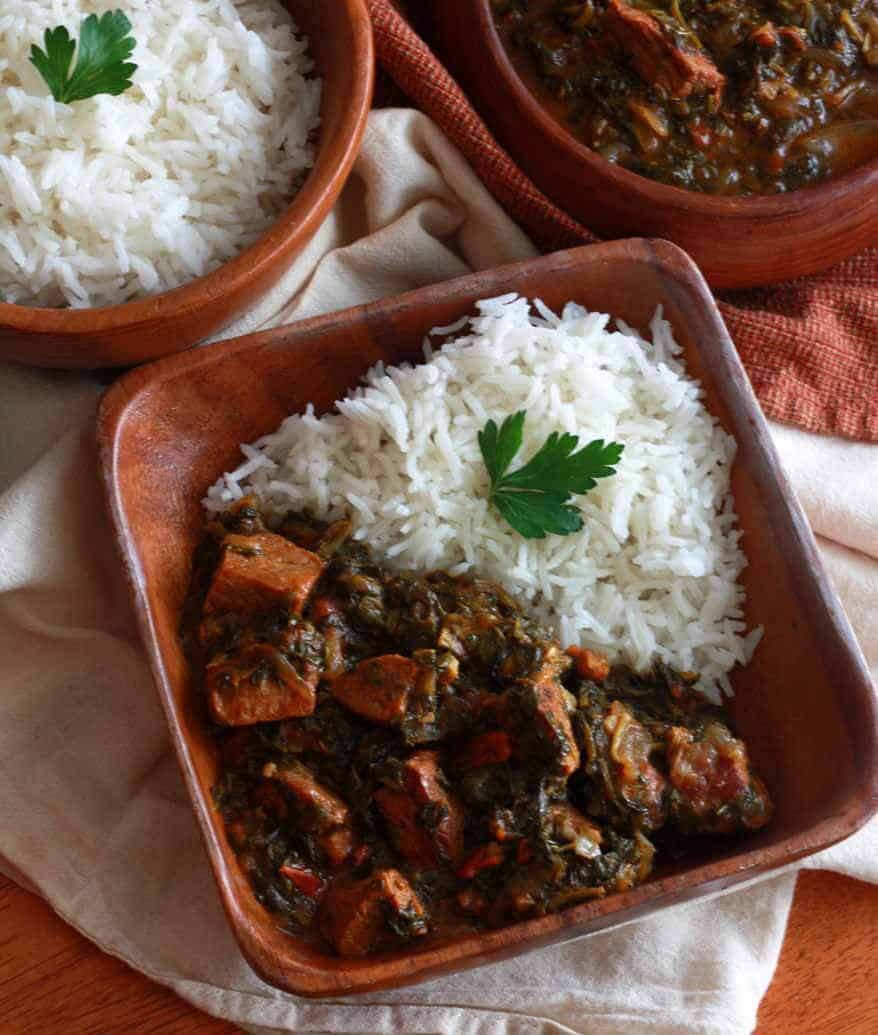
{"x": 116, "y": 197}
{"x": 652, "y": 575}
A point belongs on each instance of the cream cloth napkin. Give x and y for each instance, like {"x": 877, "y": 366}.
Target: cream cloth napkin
{"x": 92, "y": 810}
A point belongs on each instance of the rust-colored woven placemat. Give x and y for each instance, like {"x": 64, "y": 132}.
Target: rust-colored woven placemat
{"x": 809, "y": 346}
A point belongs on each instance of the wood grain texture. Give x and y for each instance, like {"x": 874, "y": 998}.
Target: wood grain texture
{"x": 827, "y": 977}
{"x": 737, "y": 242}
{"x": 340, "y": 35}
{"x": 805, "y": 704}
{"x": 55, "y": 982}
{"x": 52, "y": 980}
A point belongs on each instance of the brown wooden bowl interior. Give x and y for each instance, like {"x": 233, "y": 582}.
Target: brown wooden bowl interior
{"x": 736, "y": 241}
{"x": 340, "y": 36}
{"x": 805, "y": 703}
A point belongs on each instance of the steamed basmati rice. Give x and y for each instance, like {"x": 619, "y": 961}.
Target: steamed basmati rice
{"x": 116, "y": 197}
{"x": 652, "y": 575}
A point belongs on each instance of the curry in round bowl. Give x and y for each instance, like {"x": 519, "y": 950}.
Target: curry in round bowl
{"x": 745, "y": 131}
{"x": 728, "y": 97}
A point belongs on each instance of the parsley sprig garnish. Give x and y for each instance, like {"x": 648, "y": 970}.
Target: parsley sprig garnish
{"x": 534, "y": 498}
{"x": 101, "y": 63}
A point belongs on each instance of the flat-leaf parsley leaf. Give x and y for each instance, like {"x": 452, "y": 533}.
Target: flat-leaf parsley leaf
{"x": 101, "y": 64}
{"x": 534, "y": 498}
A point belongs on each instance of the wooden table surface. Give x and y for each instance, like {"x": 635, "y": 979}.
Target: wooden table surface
{"x": 53, "y": 981}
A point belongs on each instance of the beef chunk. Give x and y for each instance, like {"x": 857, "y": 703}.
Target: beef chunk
{"x": 379, "y": 688}
{"x": 712, "y": 788}
{"x": 318, "y": 810}
{"x": 258, "y": 572}
{"x": 657, "y": 58}
{"x": 370, "y": 914}
{"x": 541, "y": 712}
{"x": 259, "y": 684}
{"x": 424, "y": 820}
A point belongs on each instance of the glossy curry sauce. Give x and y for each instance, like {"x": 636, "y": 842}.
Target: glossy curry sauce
{"x": 407, "y": 757}
{"x": 728, "y": 97}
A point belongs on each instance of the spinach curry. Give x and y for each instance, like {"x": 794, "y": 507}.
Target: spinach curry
{"x": 408, "y": 757}
{"x": 725, "y": 96}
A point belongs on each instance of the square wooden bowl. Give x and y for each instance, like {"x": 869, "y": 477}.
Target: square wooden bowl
{"x": 805, "y": 704}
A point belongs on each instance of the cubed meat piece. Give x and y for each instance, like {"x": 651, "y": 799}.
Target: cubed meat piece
{"x": 259, "y": 684}
{"x": 424, "y": 820}
{"x": 658, "y": 59}
{"x": 426, "y": 784}
{"x": 712, "y": 788}
{"x": 371, "y": 914}
{"x": 379, "y": 688}
{"x": 640, "y": 785}
{"x": 408, "y": 835}
{"x": 588, "y": 664}
{"x": 258, "y": 572}
{"x": 542, "y": 710}
{"x": 323, "y": 809}
{"x": 318, "y": 810}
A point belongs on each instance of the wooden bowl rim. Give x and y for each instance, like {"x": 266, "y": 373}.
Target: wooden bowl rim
{"x": 767, "y": 206}
{"x": 294, "y": 226}
{"x": 740, "y": 868}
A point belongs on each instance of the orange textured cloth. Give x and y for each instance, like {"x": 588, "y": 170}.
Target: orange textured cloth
{"x": 809, "y": 346}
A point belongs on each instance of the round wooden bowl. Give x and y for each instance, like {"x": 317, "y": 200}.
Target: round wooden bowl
{"x": 340, "y": 36}
{"x": 737, "y": 242}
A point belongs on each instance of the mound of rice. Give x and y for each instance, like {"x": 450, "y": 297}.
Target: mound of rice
{"x": 116, "y": 197}
{"x": 652, "y": 575}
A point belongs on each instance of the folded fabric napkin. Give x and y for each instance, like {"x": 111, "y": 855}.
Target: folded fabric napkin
{"x": 810, "y": 346}
{"x": 94, "y": 813}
